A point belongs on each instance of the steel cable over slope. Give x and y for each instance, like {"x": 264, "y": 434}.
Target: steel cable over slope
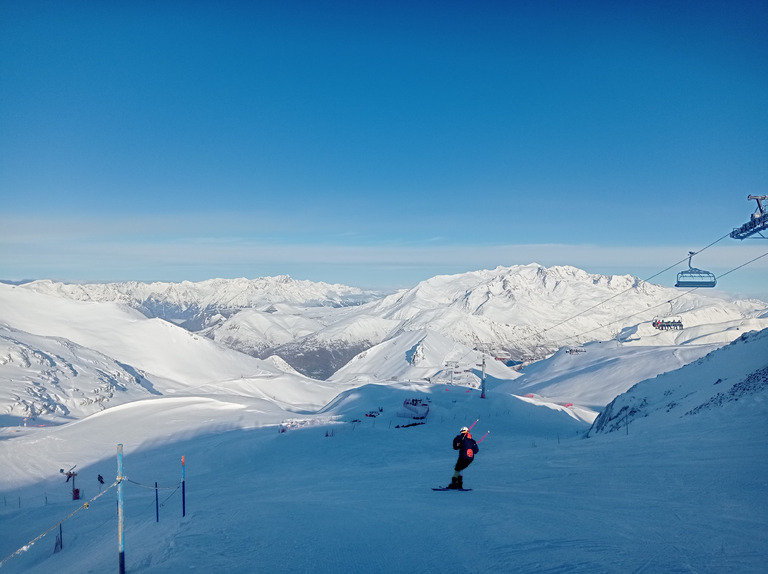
{"x": 174, "y": 486}
{"x": 623, "y": 319}
{"x": 29, "y": 544}
{"x": 596, "y": 305}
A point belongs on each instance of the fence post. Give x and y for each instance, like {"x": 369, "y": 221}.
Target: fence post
{"x": 157, "y": 505}
{"x": 120, "y": 533}
{"x": 59, "y": 541}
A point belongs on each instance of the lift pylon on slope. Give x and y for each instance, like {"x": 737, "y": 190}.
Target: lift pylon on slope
{"x": 757, "y": 224}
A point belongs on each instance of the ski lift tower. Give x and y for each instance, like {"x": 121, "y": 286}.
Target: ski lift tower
{"x": 71, "y": 473}
{"x": 482, "y": 382}
{"x": 757, "y": 224}
{"x": 453, "y": 365}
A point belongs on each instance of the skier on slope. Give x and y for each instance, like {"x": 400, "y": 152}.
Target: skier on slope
{"x": 467, "y": 448}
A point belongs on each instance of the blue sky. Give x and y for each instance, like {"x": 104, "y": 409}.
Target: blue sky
{"x": 378, "y": 144}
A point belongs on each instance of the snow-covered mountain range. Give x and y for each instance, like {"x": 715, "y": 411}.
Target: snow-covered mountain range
{"x": 196, "y": 304}
{"x": 449, "y": 329}
{"x": 519, "y": 314}
{"x": 60, "y": 359}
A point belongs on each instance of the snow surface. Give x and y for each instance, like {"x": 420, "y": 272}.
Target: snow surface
{"x": 286, "y": 474}
{"x": 596, "y": 373}
{"x": 156, "y": 346}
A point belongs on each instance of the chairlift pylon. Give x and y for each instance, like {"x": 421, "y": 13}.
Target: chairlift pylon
{"x": 693, "y": 277}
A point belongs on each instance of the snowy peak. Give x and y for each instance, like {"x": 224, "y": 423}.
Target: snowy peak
{"x": 529, "y": 292}
{"x": 531, "y": 311}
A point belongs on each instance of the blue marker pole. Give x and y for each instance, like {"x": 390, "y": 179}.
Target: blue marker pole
{"x": 183, "y": 489}
{"x": 120, "y": 532}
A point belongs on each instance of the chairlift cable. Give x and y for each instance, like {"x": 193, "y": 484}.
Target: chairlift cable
{"x": 623, "y": 319}
{"x": 630, "y": 288}
{"x": 743, "y": 265}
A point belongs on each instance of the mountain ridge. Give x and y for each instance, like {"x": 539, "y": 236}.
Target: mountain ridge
{"x": 521, "y": 313}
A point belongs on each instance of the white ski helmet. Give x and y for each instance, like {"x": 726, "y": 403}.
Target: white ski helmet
{"x": 464, "y": 429}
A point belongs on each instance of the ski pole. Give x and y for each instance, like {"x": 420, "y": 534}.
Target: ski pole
{"x": 473, "y": 424}
{"x": 485, "y": 435}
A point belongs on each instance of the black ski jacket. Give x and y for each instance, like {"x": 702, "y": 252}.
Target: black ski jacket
{"x": 466, "y": 446}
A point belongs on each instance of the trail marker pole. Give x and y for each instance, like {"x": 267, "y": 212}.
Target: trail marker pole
{"x": 157, "y": 505}
{"x": 120, "y": 532}
{"x": 183, "y": 489}
{"x": 482, "y": 392}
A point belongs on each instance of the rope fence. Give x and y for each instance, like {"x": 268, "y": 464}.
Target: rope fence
{"x": 32, "y": 542}
{"x": 119, "y": 482}
{"x": 175, "y": 486}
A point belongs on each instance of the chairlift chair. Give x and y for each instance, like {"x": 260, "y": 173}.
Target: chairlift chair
{"x": 693, "y": 277}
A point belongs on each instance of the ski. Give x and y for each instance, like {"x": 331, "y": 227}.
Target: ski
{"x": 446, "y": 488}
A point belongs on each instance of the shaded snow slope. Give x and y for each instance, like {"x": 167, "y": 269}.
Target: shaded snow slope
{"x": 342, "y": 492}
{"x": 737, "y": 372}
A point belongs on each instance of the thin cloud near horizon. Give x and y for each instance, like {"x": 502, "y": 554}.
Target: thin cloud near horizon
{"x": 177, "y": 260}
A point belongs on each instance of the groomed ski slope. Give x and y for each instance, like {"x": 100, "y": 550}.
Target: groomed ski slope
{"x": 329, "y": 496}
